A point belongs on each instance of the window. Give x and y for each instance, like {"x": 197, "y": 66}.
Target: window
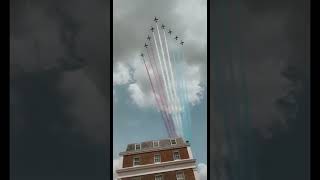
{"x": 136, "y": 161}
{"x": 173, "y": 141}
{"x": 155, "y": 143}
{"x": 176, "y": 155}
{"x": 137, "y": 146}
{"x": 158, "y": 177}
{"x": 157, "y": 158}
{"x": 180, "y": 176}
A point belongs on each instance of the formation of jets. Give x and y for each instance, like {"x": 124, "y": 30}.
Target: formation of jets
{"x": 163, "y": 27}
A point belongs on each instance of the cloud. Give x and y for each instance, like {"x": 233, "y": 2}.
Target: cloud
{"x": 141, "y": 93}
{"x": 68, "y": 113}
{"x": 121, "y": 74}
{"x": 194, "y": 88}
{"x": 87, "y": 105}
{"x": 140, "y": 98}
{"x": 58, "y": 35}
{"x": 202, "y": 170}
{"x": 130, "y": 34}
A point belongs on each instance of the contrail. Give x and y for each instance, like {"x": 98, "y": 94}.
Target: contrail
{"x": 168, "y": 78}
{"x": 162, "y": 104}
{"x": 162, "y": 74}
{"x": 182, "y": 95}
{"x": 186, "y": 99}
{"x": 157, "y": 99}
{"x": 173, "y": 83}
{"x": 161, "y": 90}
{"x": 177, "y": 74}
{"x": 154, "y": 93}
{"x": 186, "y": 103}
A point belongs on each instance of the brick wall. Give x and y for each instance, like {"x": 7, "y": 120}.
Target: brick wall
{"x": 171, "y": 175}
{"x": 148, "y": 158}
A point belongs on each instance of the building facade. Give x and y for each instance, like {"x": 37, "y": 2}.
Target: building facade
{"x": 166, "y": 159}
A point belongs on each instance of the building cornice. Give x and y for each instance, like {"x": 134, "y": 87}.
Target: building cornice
{"x": 152, "y": 149}
{"x": 156, "y": 168}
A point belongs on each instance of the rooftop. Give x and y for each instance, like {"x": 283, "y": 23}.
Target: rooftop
{"x": 156, "y": 144}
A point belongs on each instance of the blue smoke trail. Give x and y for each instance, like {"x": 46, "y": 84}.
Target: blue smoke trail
{"x": 182, "y": 93}
{"x": 186, "y": 100}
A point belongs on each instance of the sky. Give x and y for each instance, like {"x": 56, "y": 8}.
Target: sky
{"x": 136, "y": 118}
{"x": 60, "y": 86}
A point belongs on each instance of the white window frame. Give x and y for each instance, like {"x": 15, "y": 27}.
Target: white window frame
{"x": 174, "y": 155}
{"x": 180, "y": 178}
{"x": 154, "y": 159}
{"x": 135, "y": 147}
{"x": 154, "y": 142}
{"x": 133, "y": 161}
{"x": 175, "y": 140}
{"x": 158, "y": 175}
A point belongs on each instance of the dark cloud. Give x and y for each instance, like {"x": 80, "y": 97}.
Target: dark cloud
{"x": 44, "y": 140}
{"x": 267, "y": 41}
{"x": 59, "y": 94}
{"x": 62, "y": 34}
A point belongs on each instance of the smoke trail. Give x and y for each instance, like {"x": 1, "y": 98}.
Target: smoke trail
{"x": 161, "y": 92}
{"x": 165, "y": 119}
{"x": 161, "y": 68}
{"x": 179, "y": 87}
{"x": 154, "y": 93}
{"x": 173, "y": 84}
{"x": 162, "y": 104}
{"x": 168, "y": 80}
{"x": 162, "y": 73}
{"x": 183, "y": 95}
{"x": 186, "y": 100}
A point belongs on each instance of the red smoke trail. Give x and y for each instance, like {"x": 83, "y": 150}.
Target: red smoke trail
{"x": 154, "y": 93}
{"x": 171, "y": 125}
{"x": 158, "y": 79}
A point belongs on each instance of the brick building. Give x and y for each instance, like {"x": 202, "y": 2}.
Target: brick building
{"x": 166, "y": 159}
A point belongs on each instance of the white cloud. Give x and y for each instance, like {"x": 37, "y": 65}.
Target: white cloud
{"x": 202, "y": 169}
{"x": 192, "y": 21}
{"x": 129, "y": 40}
{"x": 140, "y": 98}
{"x": 193, "y": 79}
{"x": 121, "y": 74}
{"x": 141, "y": 93}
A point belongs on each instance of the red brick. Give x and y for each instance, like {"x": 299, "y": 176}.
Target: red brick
{"x": 148, "y": 158}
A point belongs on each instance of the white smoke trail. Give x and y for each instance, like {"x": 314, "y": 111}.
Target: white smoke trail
{"x": 173, "y": 84}
{"x": 162, "y": 73}
{"x": 168, "y": 80}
